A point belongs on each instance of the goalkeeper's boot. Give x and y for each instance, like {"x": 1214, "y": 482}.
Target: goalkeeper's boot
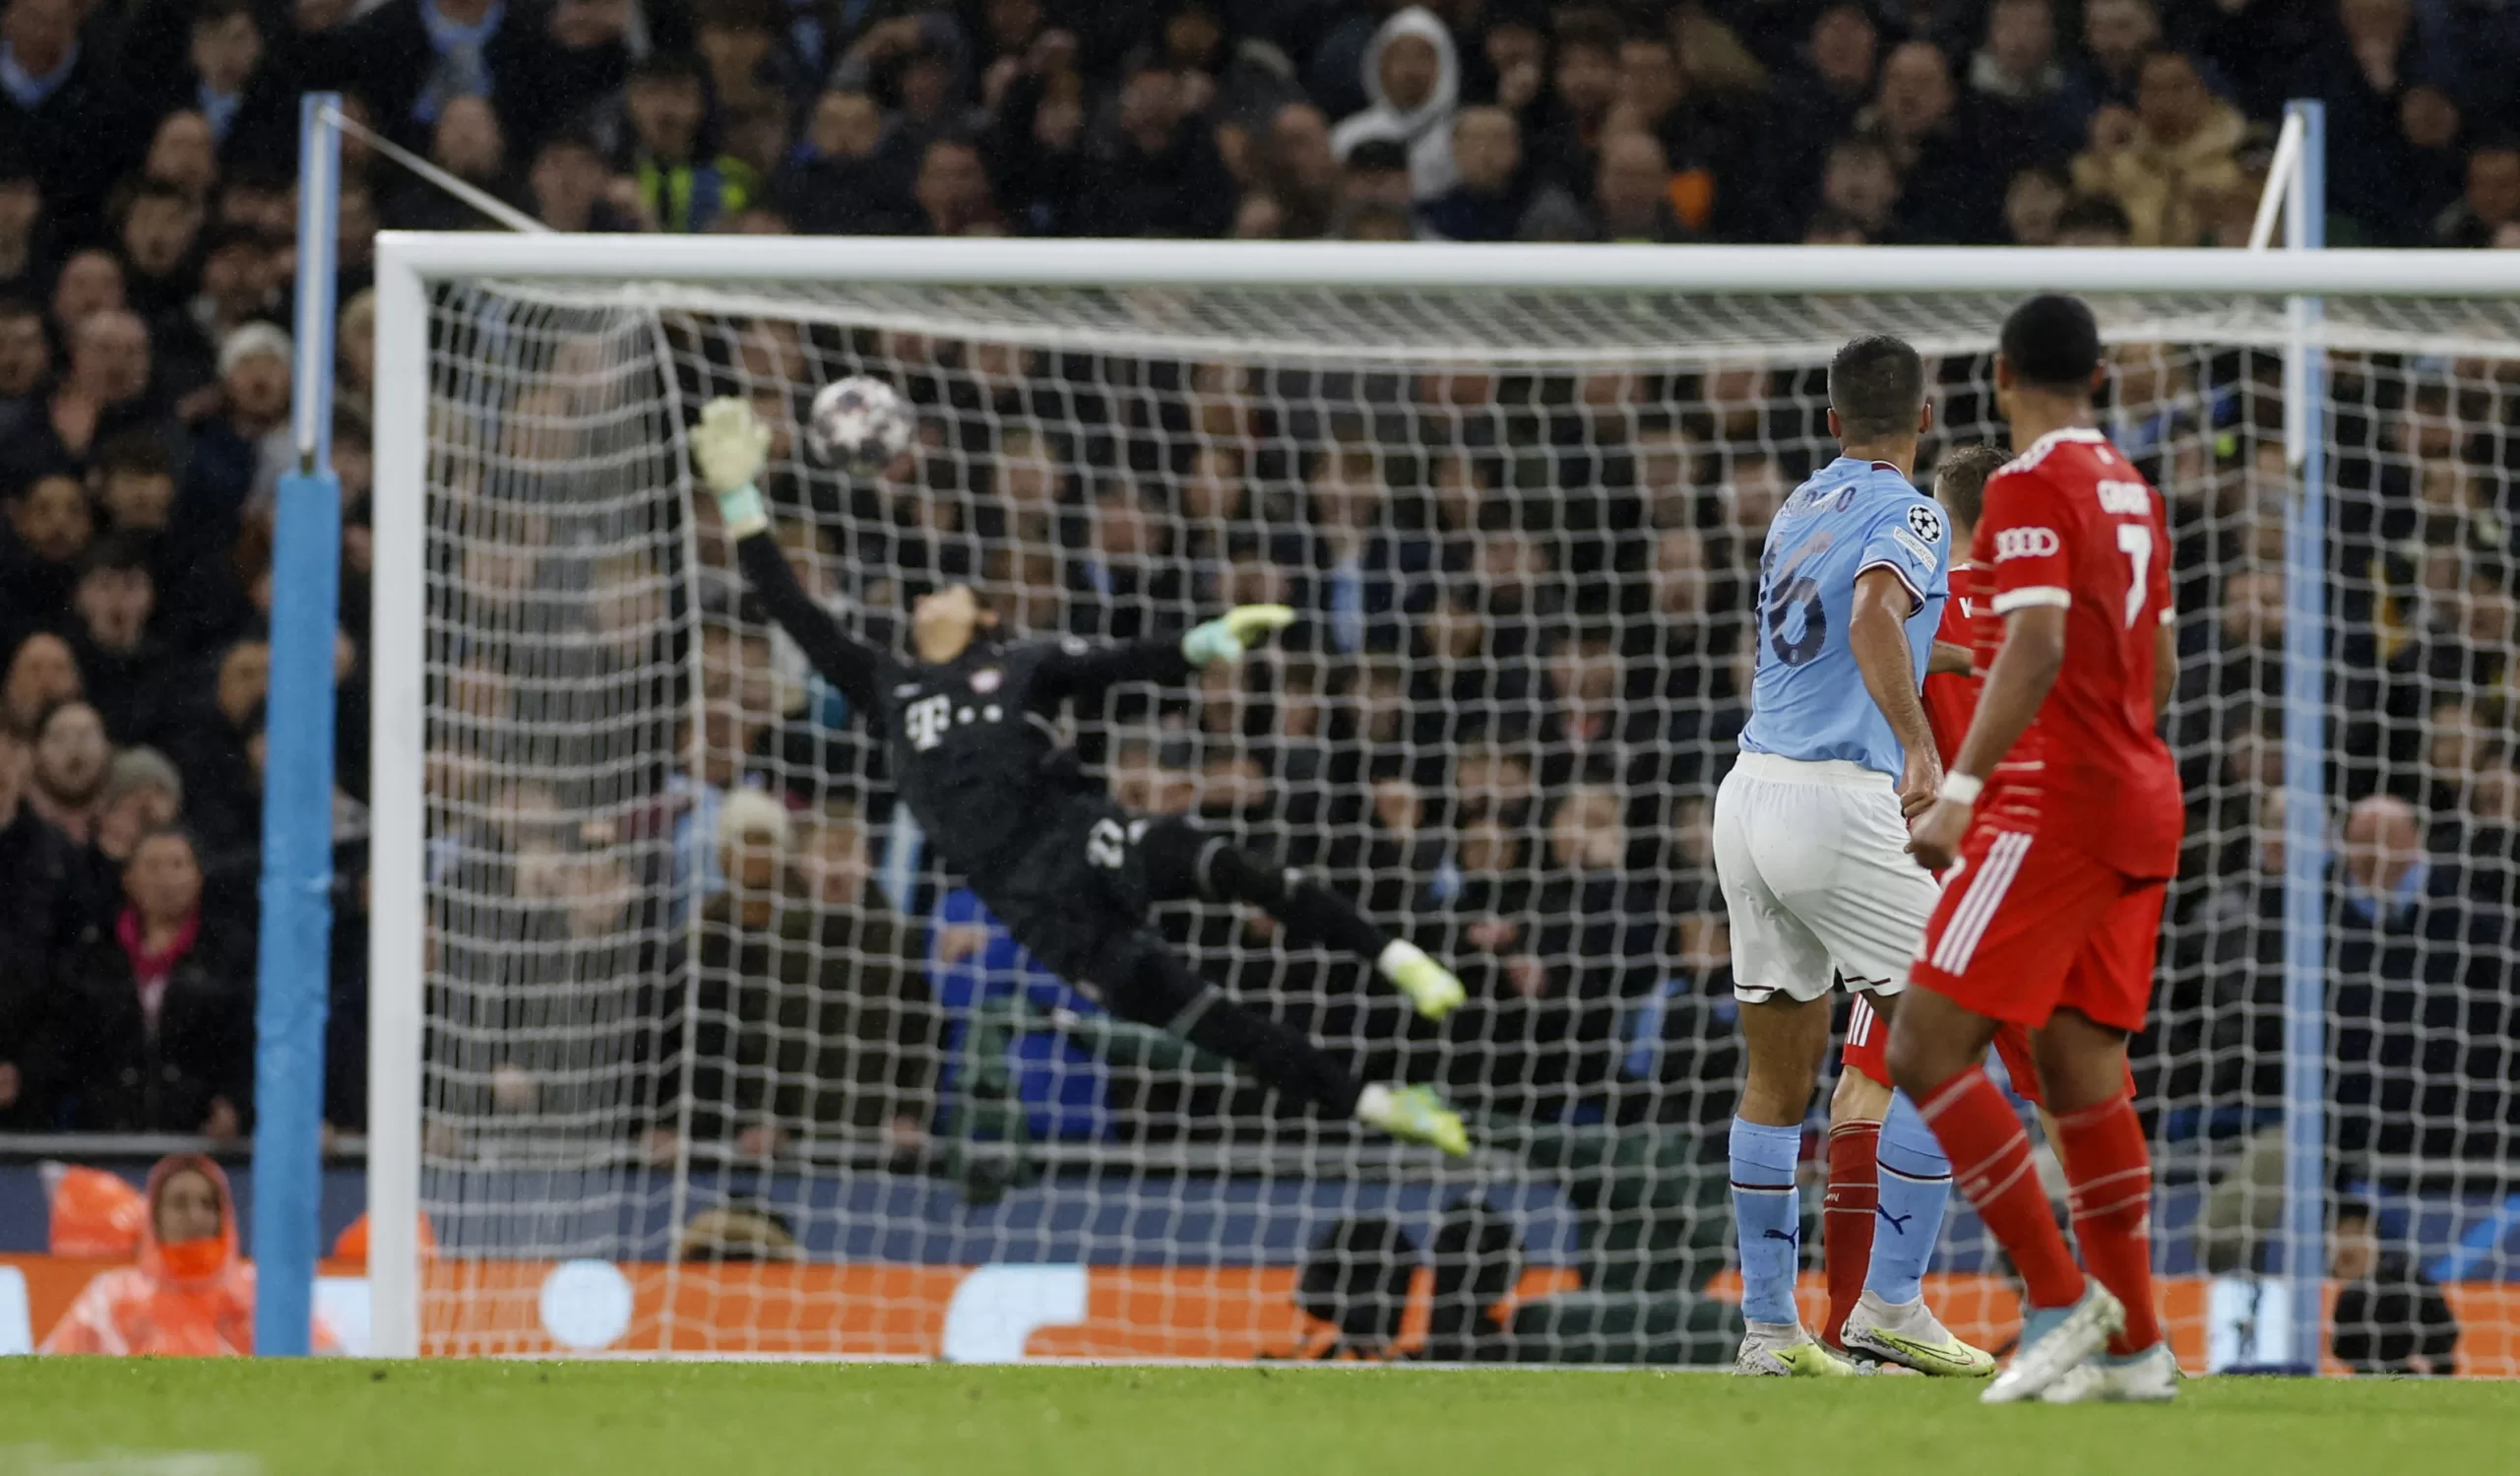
{"x": 1783, "y": 1350}
{"x": 2147, "y": 1377}
{"x": 1414, "y": 1114}
{"x": 1912, "y": 1337}
{"x": 1429, "y": 985}
{"x": 2053, "y": 1341}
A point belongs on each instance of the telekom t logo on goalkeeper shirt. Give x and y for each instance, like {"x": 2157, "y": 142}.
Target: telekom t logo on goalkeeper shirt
{"x": 2025, "y": 542}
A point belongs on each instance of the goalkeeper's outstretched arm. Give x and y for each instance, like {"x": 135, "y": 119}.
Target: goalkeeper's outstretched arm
{"x": 1074, "y": 667}
{"x": 730, "y": 445}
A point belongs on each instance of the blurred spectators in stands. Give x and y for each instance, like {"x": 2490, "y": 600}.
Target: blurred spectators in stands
{"x": 1411, "y": 79}
{"x": 43, "y": 910}
{"x": 40, "y": 672}
{"x": 153, "y": 1029}
{"x": 2409, "y": 951}
{"x": 141, "y": 795}
{"x": 1159, "y": 172}
{"x": 71, "y": 759}
{"x": 681, "y": 183}
{"x": 2163, "y": 158}
{"x": 2489, "y": 205}
{"x": 2389, "y": 1318}
{"x": 1483, "y": 205}
{"x": 128, "y": 672}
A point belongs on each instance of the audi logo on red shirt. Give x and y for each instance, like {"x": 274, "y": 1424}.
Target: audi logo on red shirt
{"x": 2025, "y": 542}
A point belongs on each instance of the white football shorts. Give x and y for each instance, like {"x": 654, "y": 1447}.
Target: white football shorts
{"x": 1816, "y": 877}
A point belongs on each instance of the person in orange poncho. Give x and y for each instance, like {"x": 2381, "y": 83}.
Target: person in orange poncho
{"x": 191, "y": 1294}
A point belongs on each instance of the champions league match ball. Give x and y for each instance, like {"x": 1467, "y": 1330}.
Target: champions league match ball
{"x": 859, "y": 424}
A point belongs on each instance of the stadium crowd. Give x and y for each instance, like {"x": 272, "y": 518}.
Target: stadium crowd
{"x": 1526, "y": 596}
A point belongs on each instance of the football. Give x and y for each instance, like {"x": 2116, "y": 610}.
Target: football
{"x": 859, "y": 425}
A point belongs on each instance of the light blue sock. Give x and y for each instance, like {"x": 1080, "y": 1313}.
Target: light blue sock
{"x": 1767, "y": 1218}
{"x": 1916, "y": 1186}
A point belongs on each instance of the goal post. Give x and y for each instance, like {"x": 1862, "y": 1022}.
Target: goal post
{"x": 530, "y": 392}
{"x": 2301, "y": 173}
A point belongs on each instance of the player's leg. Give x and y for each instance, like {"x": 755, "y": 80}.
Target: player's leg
{"x": 1140, "y": 978}
{"x": 1891, "y": 1319}
{"x": 2000, "y": 944}
{"x": 1183, "y": 862}
{"x": 1871, "y": 917}
{"x": 1855, "y": 1109}
{"x": 2081, "y": 1054}
{"x": 1781, "y": 979}
{"x": 1784, "y": 1039}
{"x": 1078, "y": 902}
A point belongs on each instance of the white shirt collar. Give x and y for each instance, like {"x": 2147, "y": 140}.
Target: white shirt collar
{"x": 2082, "y": 433}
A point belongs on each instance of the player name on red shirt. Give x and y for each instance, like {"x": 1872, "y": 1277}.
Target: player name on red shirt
{"x": 2070, "y": 523}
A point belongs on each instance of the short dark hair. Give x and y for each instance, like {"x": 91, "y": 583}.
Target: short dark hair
{"x": 211, "y": 12}
{"x": 1960, "y": 479}
{"x": 2052, "y": 342}
{"x": 1877, "y": 385}
{"x": 1378, "y": 157}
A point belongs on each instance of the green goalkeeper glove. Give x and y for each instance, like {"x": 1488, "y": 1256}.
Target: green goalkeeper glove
{"x": 1224, "y": 638}
{"x": 730, "y": 445}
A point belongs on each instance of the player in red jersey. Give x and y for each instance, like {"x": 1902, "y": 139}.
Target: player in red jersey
{"x": 1886, "y": 1177}
{"x": 2063, "y": 811}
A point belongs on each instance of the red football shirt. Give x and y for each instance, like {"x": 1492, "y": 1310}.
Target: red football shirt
{"x": 2070, "y": 523}
{"x": 1950, "y": 700}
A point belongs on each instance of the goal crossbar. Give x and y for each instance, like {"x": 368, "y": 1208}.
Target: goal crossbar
{"x": 1436, "y": 265}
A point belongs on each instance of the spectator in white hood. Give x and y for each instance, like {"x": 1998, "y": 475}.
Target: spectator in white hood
{"x": 1414, "y": 78}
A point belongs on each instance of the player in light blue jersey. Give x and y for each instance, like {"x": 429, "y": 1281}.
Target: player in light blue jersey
{"x": 1810, "y": 831}
{"x": 1854, "y": 516}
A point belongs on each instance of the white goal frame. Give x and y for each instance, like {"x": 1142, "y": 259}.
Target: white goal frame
{"x": 408, "y": 264}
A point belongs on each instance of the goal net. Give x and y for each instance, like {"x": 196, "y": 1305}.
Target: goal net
{"x": 715, "y": 1058}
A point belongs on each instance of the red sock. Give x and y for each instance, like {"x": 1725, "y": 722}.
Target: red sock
{"x": 1990, "y": 1162}
{"x": 1846, "y": 1219}
{"x": 2110, "y": 1171}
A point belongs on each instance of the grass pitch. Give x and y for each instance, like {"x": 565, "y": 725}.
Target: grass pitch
{"x": 486, "y": 1419}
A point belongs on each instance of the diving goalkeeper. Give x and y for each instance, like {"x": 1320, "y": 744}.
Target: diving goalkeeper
{"x": 969, "y": 722}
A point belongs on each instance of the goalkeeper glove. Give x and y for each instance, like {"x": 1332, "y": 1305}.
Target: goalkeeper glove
{"x": 1224, "y": 638}
{"x": 730, "y": 445}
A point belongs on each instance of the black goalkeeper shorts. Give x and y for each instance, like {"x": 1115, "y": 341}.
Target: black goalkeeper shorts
{"x": 1078, "y": 898}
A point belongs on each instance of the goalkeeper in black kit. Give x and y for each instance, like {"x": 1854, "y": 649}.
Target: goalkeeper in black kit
{"x": 969, "y": 722}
